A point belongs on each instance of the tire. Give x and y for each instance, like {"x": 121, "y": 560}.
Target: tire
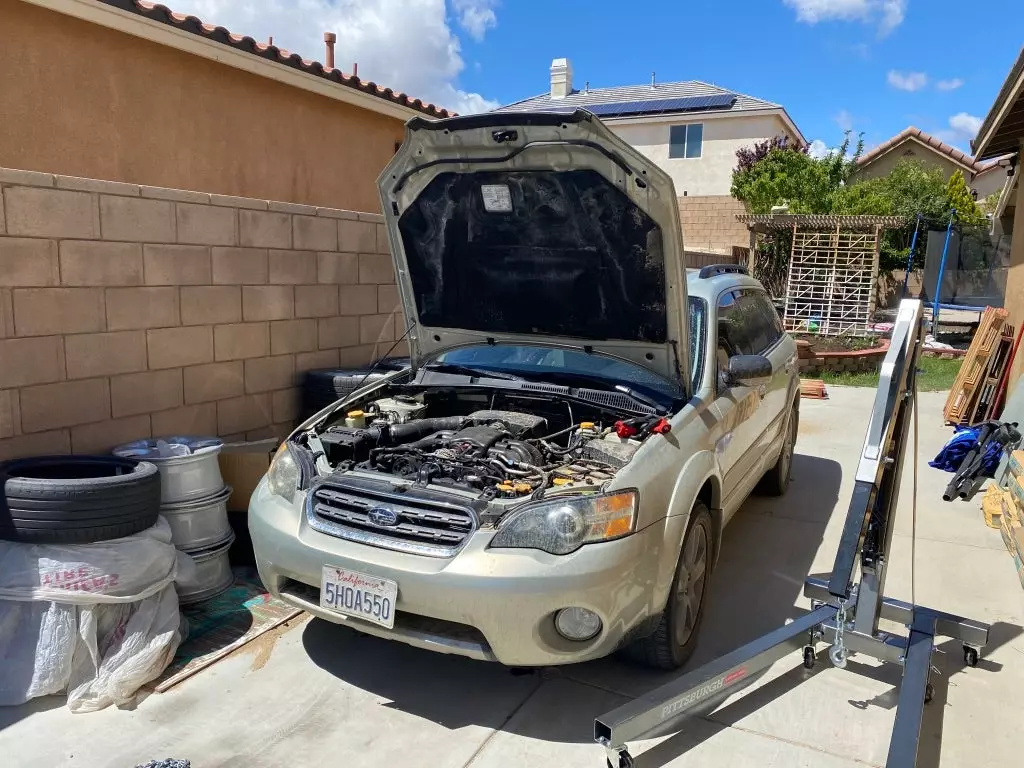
{"x": 77, "y": 499}
{"x": 674, "y": 641}
{"x": 776, "y": 480}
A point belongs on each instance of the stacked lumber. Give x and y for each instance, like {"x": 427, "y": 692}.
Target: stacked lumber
{"x": 1011, "y": 512}
{"x": 972, "y": 398}
{"x": 993, "y": 505}
{"x": 813, "y": 389}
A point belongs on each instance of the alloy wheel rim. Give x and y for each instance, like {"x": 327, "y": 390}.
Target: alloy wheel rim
{"x": 692, "y": 579}
{"x": 787, "y": 449}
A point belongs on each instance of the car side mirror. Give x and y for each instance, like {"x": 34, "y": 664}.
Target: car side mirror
{"x": 748, "y": 371}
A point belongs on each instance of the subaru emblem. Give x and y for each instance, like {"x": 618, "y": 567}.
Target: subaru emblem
{"x": 384, "y": 517}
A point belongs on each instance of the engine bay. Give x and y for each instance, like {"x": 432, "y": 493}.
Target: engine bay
{"x": 494, "y": 444}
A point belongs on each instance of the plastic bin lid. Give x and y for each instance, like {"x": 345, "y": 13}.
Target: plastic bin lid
{"x": 171, "y": 447}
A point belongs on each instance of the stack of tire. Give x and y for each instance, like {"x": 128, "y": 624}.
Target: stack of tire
{"x": 77, "y": 499}
{"x": 87, "y": 571}
{"x": 324, "y": 386}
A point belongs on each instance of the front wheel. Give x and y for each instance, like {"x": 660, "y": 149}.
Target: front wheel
{"x": 776, "y": 479}
{"x": 675, "y": 639}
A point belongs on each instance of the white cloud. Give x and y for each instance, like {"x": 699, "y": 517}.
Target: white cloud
{"x": 907, "y": 81}
{"x": 893, "y": 13}
{"x": 964, "y": 125}
{"x": 888, "y": 14}
{"x": 476, "y": 16}
{"x": 949, "y": 85}
{"x": 818, "y": 149}
{"x": 844, "y": 120}
{"x": 407, "y": 45}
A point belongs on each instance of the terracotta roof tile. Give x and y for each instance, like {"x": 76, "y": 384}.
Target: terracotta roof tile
{"x": 191, "y": 24}
{"x": 941, "y": 147}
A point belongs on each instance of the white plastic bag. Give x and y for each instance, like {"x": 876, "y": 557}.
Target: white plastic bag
{"x": 98, "y": 620}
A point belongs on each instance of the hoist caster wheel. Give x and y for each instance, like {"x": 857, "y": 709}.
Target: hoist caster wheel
{"x": 970, "y": 656}
{"x": 625, "y": 761}
{"x": 929, "y": 693}
{"x": 809, "y": 657}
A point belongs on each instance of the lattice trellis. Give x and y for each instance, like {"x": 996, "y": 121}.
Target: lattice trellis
{"x": 831, "y": 284}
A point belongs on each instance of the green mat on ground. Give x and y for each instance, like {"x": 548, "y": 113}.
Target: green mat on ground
{"x": 218, "y": 626}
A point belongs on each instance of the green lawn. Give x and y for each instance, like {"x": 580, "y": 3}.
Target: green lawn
{"x": 936, "y": 376}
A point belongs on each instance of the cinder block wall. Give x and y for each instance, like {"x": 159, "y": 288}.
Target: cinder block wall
{"x": 709, "y": 224}
{"x": 130, "y": 312}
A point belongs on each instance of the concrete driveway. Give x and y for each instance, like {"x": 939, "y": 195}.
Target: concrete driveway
{"x": 317, "y": 694}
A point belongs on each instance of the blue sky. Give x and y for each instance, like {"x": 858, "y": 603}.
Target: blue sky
{"x": 875, "y": 66}
{"x": 830, "y": 73}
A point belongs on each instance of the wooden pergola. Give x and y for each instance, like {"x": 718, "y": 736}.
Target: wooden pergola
{"x": 832, "y": 273}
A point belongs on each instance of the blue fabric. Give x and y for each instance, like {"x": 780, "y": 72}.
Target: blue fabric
{"x": 953, "y": 452}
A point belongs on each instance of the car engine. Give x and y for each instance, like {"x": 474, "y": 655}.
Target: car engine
{"x": 497, "y": 453}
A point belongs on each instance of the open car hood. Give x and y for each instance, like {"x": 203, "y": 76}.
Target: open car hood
{"x": 536, "y": 228}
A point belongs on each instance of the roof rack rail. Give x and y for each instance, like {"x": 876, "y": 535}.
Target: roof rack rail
{"x": 713, "y": 270}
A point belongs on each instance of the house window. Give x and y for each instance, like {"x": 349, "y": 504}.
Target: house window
{"x": 686, "y": 140}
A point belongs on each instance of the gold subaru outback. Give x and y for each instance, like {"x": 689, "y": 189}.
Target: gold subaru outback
{"x": 548, "y": 481}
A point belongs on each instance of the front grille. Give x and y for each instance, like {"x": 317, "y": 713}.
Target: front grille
{"x": 422, "y": 525}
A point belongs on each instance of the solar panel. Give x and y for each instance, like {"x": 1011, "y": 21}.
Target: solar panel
{"x": 656, "y": 106}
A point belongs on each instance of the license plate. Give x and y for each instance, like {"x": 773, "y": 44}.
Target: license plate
{"x": 370, "y": 598}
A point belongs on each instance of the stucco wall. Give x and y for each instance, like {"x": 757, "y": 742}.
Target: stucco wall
{"x": 130, "y": 312}
{"x": 884, "y": 164}
{"x": 989, "y": 183}
{"x": 1014, "y": 302}
{"x": 986, "y": 184}
{"x": 711, "y": 173}
{"x": 88, "y": 101}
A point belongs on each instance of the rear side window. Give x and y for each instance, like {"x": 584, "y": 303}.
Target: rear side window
{"x": 771, "y": 316}
{"x": 744, "y": 327}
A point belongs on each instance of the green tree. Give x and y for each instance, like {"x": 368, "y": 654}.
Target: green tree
{"x": 788, "y": 175}
{"x": 990, "y": 203}
{"x": 959, "y": 199}
{"x": 910, "y": 188}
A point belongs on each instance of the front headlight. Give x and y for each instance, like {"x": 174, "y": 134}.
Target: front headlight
{"x": 284, "y": 474}
{"x": 563, "y": 525}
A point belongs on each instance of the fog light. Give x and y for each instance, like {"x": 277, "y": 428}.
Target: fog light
{"x": 577, "y": 623}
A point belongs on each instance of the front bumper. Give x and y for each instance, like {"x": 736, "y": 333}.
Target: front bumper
{"x": 495, "y": 605}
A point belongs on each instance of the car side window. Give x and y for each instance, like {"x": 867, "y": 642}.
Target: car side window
{"x": 773, "y": 323}
{"x": 747, "y": 325}
{"x": 732, "y": 338}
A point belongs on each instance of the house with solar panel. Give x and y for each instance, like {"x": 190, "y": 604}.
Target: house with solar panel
{"x": 692, "y": 130}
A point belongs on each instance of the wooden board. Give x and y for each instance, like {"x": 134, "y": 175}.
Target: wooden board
{"x": 992, "y": 506}
{"x": 965, "y": 392}
{"x": 813, "y": 389}
{"x": 222, "y": 625}
{"x": 985, "y": 403}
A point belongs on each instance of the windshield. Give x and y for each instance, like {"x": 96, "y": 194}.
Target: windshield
{"x": 536, "y": 361}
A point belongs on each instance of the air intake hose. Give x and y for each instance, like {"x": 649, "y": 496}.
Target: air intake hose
{"x": 397, "y": 434}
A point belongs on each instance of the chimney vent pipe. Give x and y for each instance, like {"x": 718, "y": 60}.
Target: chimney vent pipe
{"x": 330, "y": 39}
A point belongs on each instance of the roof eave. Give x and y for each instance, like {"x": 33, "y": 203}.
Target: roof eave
{"x": 106, "y": 15}
{"x": 662, "y": 117}
{"x": 1005, "y": 101}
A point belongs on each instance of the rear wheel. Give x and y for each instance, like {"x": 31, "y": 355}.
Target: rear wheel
{"x": 675, "y": 639}
{"x": 776, "y": 480}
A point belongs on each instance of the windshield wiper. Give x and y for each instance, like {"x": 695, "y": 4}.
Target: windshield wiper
{"x": 642, "y": 398}
{"x": 467, "y": 370}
